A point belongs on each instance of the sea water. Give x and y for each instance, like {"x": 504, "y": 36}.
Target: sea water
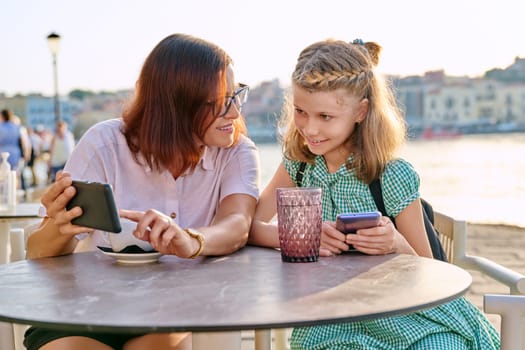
{"x": 478, "y": 178}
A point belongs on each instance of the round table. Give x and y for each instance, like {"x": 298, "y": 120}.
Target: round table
{"x": 250, "y": 289}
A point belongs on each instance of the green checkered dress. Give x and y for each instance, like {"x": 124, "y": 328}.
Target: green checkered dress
{"x": 455, "y": 325}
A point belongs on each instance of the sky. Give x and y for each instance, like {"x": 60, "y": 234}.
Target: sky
{"x": 104, "y": 42}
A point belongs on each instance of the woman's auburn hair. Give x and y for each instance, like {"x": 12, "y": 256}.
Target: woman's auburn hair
{"x": 330, "y": 65}
{"x": 177, "y": 95}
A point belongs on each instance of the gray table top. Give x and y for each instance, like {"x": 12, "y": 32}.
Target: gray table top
{"x": 21, "y": 211}
{"x": 250, "y": 289}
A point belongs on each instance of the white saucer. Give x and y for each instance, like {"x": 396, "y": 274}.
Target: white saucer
{"x": 134, "y": 258}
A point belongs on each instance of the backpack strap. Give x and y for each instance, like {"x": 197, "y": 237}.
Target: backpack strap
{"x": 377, "y": 194}
{"x": 299, "y": 175}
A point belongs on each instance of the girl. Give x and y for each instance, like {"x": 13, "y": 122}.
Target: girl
{"x": 343, "y": 123}
{"x": 178, "y": 160}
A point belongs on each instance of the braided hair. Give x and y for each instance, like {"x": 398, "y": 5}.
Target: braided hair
{"x": 331, "y": 65}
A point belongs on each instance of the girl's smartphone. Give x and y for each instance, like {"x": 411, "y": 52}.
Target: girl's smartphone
{"x": 351, "y": 222}
{"x": 98, "y": 206}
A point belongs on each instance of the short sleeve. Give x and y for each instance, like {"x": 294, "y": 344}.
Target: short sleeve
{"x": 93, "y": 158}
{"x": 400, "y": 186}
{"x": 241, "y": 174}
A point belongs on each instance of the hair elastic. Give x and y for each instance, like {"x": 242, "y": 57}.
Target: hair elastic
{"x": 358, "y": 42}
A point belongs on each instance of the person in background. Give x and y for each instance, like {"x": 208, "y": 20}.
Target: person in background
{"x": 180, "y": 165}
{"x": 342, "y": 121}
{"x": 36, "y": 150}
{"x": 61, "y": 147}
{"x": 25, "y": 149}
{"x": 10, "y": 138}
{"x": 46, "y": 135}
{"x": 14, "y": 139}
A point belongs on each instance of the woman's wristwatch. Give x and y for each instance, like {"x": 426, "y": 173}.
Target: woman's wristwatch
{"x": 199, "y": 237}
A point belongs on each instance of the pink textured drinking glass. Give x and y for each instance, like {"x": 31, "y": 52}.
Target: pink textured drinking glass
{"x": 299, "y": 218}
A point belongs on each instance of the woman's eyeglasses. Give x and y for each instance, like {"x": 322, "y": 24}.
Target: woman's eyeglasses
{"x": 239, "y": 98}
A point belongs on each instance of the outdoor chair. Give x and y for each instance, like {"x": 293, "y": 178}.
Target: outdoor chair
{"x": 510, "y": 307}
{"x": 12, "y": 335}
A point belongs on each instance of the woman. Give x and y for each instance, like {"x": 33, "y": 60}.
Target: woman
{"x": 179, "y": 163}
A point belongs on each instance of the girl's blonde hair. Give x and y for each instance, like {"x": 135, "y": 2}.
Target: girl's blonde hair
{"x": 329, "y": 65}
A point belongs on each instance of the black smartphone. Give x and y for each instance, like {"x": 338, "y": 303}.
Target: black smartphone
{"x": 98, "y": 206}
{"x": 351, "y": 222}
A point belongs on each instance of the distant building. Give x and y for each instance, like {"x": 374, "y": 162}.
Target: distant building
{"x": 495, "y": 102}
{"x": 36, "y": 109}
{"x": 262, "y": 111}
{"x": 464, "y": 104}
{"x": 411, "y": 96}
{"x": 513, "y": 73}
{"x": 79, "y": 111}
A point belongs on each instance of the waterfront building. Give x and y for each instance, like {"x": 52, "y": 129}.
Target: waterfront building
{"x": 262, "y": 111}
{"x": 37, "y": 110}
{"x": 463, "y": 104}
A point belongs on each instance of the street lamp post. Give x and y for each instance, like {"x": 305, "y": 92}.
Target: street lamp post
{"x": 53, "y": 40}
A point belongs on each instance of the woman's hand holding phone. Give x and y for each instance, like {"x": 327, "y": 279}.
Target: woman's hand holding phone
{"x": 55, "y": 200}
{"x": 98, "y": 206}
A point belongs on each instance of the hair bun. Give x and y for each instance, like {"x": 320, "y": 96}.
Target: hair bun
{"x": 373, "y": 50}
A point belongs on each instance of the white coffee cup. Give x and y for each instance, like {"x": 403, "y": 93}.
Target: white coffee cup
{"x": 125, "y": 238}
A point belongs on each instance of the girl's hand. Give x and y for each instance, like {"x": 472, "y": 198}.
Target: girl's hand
{"x": 332, "y": 240}
{"x": 55, "y": 200}
{"x": 377, "y": 240}
{"x": 164, "y": 235}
